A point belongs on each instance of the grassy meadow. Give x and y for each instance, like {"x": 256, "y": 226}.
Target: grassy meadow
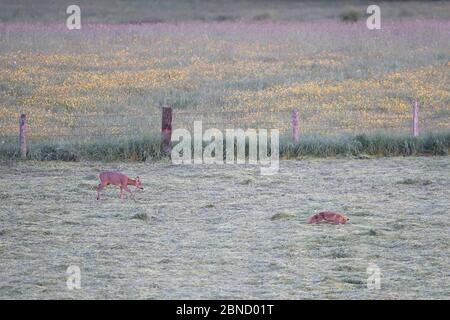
{"x": 110, "y": 80}
{"x": 225, "y": 232}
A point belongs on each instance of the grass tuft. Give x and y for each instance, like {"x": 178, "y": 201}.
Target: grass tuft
{"x": 140, "y": 216}
{"x": 282, "y": 216}
{"x": 350, "y": 16}
{"x": 412, "y": 181}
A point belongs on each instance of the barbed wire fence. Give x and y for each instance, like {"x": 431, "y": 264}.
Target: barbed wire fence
{"x": 91, "y": 127}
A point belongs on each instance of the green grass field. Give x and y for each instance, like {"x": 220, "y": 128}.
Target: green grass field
{"x": 224, "y": 232}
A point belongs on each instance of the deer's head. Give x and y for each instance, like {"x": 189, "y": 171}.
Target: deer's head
{"x": 138, "y": 184}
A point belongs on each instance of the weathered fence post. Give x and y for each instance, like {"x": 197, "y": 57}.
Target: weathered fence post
{"x": 295, "y": 130}
{"x": 415, "y": 122}
{"x": 166, "y": 130}
{"x": 23, "y": 135}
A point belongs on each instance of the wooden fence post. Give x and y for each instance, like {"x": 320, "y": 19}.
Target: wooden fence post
{"x": 295, "y": 129}
{"x": 415, "y": 122}
{"x": 23, "y": 135}
{"x": 166, "y": 130}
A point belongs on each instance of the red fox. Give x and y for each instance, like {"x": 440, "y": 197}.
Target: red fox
{"x": 120, "y": 180}
{"x": 334, "y": 217}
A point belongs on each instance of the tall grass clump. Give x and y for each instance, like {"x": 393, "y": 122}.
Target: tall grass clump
{"x": 147, "y": 148}
{"x": 350, "y": 16}
{"x": 9, "y": 150}
{"x": 131, "y": 149}
{"x": 103, "y": 149}
{"x": 376, "y": 144}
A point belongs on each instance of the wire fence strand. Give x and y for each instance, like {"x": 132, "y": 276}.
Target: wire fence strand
{"x": 93, "y": 126}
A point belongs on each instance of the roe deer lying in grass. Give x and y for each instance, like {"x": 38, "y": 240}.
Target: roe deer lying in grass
{"x": 120, "y": 180}
{"x": 334, "y": 217}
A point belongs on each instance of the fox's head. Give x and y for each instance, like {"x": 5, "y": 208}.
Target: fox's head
{"x": 343, "y": 219}
{"x": 138, "y": 184}
{"x": 314, "y": 219}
